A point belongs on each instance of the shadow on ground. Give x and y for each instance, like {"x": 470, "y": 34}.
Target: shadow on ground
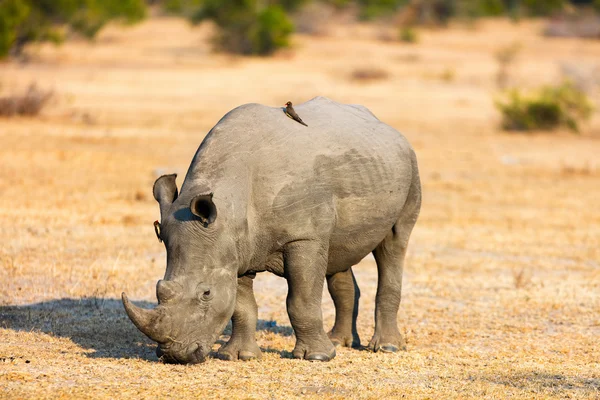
{"x": 97, "y": 324}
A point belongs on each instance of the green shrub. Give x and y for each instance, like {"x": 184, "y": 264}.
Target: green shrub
{"x": 272, "y": 30}
{"x": 408, "y": 34}
{"x": 542, "y": 7}
{"x": 184, "y": 8}
{"x": 23, "y": 21}
{"x": 338, "y": 3}
{"x": 246, "y": 28}
{"x": 479, "y": 8}
{"x": 547, "y": 109}
{"x": 491, "y": 8}
{"x": 371, "y": 9}
{"x": 12, "y": 14}
{"x": 289, "y": 5}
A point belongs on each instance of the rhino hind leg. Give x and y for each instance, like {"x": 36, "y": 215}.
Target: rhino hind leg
{"x": 242, "y": 344}
{"x": 390, "y": 260}
{"x": 305, "y": 262}
{"x": 389, "y": 255}
{"x": 345, "y": 294}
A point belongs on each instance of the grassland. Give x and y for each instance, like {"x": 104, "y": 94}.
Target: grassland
{"x": 502, "y": 285}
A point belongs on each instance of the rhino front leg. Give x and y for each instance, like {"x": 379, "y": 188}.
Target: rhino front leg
{"x": 242, "y": 344}
{"x": 305, "y": 263}
{"x": 345, "y": 294}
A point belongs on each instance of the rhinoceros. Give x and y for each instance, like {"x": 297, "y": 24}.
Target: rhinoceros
{"x": 264, "y": 193}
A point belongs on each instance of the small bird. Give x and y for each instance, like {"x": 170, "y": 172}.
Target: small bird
{"x": 289, "y": 111}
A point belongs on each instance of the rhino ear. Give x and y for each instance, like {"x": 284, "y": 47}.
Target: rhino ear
{"x": 203, "y": 207}
{"x": 165, "y": 189}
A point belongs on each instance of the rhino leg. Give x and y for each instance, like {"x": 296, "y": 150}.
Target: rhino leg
{"x": 390, "y": 259}
{"x": 345, "y": 294}
{"x": 242, "y": 344}
{"x": 389, "y": 255}
{"x": 305, "y": 263}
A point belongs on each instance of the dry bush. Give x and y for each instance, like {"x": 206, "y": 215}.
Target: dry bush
{"x": 385, "y": 34}
{"x": 506, "y": 56}
{"x": 521, "y": 278}
{"x": 448, "y": 75}
{"x": 314, "y": 19}
{"x": 30, "y": 103}
{"x": 369, "y": 74}
{"x": 573, "y": 170}
{"x": 130, "y": 220}
{"x": 140, "y": 195}
{"x": 582, "y": 26}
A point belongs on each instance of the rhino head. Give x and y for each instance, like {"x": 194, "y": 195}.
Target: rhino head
{"x": 196, "y": 298}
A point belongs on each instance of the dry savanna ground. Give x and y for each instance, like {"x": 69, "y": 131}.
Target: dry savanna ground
{"x": 502, "y": 284}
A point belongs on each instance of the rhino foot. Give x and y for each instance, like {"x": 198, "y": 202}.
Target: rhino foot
{"x": 316, "y": 354}
{"x": 237, "y": 350}
{"x": 387, "y": 344}
{"x": 344, "y": 340}
{"x": 319, "y": 357}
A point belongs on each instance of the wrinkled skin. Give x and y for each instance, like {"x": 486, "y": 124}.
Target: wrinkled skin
{"x": 264, "y": 193}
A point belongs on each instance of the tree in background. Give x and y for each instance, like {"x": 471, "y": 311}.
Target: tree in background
{"x": 245, "y": 26}
{"x": 441, "y": 10}
{"x": 23, "y": 21}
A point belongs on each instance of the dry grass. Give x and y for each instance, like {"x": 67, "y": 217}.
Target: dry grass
{"x": 77, "y": 212}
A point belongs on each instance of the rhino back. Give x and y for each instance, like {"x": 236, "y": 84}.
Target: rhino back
{"x": 346, "y": 175}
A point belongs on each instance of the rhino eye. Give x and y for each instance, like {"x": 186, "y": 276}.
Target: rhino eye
{"x": 207, "y": 293}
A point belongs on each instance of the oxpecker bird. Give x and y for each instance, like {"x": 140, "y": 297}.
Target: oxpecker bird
{"x": 289, "y": 111}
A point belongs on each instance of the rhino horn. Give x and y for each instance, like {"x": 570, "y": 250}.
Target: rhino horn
{"x": 145, "y": 320}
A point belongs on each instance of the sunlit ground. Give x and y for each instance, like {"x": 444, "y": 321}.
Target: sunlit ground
{"x": 502, "y": 284}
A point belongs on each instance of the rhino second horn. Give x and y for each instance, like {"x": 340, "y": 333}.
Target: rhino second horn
{"x": 167, "y": 290}
{"x": 145, "y": 320}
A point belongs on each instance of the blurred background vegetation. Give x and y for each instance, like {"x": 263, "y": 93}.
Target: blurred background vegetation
{"x": 23, "y": 21}
{"x": 260, "y": 27}
{"x": 245, "y": 26}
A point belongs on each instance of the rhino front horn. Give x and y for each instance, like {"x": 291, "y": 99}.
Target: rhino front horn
{"x": 147, "y": 321}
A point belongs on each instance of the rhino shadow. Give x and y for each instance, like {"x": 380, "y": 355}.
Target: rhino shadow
{"x": 100, "y": 325}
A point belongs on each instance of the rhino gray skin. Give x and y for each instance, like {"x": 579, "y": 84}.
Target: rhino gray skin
{"x": 264, "y": 193}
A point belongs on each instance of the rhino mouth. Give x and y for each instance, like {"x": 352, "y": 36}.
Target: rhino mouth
{"x": 157, "y": 324}
{"x": 194, "y": 353}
